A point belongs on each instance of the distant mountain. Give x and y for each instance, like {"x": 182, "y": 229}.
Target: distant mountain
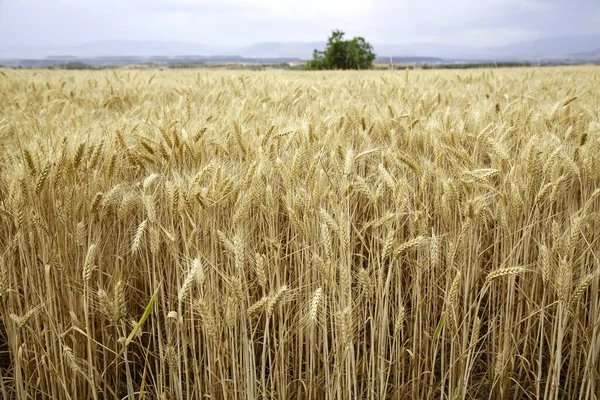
{"x": 531, "y": 50}
{"x": 128, "y": 48}
{"x": 142, "y": 48}
{"x": 281, "y": 49}
{"x": 553, "y": 47}
{"x": 426, "y": 50}
{"x": 593, "y": 55}
{"x": 559, "y": 47}
{"x": 305, "y": 50}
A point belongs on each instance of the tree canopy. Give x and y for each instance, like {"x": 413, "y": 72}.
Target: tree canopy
{"x": 343, "y": 54}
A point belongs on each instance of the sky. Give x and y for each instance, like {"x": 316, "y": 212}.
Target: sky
{"x": 235, "y": 23}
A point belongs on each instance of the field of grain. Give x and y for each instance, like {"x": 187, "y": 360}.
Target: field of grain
{"x": 228, "y": 235}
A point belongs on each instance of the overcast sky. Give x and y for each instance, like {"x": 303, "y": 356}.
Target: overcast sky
{"x": 235, "y": 23}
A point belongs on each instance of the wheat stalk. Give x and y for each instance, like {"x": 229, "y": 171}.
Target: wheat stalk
{"x": 138, "y": 237}
{"x": 500, "y": 272}
{"x": 128, "y": 195}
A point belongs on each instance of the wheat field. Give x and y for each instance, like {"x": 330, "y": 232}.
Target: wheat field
{"x": 293, "y": 235}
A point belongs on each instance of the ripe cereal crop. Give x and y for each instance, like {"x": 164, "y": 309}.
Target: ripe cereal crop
{"x": 188, "y": 234}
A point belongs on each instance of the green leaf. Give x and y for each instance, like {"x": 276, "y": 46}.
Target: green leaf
{"x": 145, "y": 315}
{"x": 440, "y": 325}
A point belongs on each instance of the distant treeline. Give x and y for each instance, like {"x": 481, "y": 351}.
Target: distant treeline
{"x": 76, "y": 65}
{"x": 259, "y": 66}
{"x": 476, "y": 65}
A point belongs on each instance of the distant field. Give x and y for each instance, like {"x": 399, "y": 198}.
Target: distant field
{"x": 198, "y": 234}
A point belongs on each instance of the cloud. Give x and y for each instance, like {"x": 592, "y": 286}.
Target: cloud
{"x": 242, "y": 22}
{"x": 484, "y": 22}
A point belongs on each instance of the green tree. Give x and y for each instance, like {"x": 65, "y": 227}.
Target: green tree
{"x": 343, "y": 54}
